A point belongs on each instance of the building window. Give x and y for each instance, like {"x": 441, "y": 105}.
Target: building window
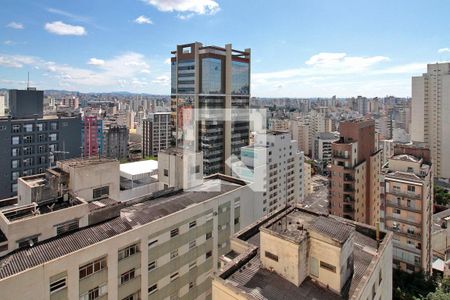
{"x": 67, "y": 227}
{"x": 152, "y": 243}
{"x": 192, "y": 224}
{"x": 40, "y": 127}
{"x": 191, "y": 285}
{"x": 15, "y": 152}
{"x": 208, "y": 235}
{"x": 152, "y": 289}
{"x": 380, "y": 277}
{"x": 208, "y": 254}
{"x": 28, "y": 127}
{"x": 173, "y": 254}
{"x": 174, "y": 232}
{"x": 92, "y": 267}
{"x": 192, "y": 244}
{"x": 15, "y": 140}
{"x": 53, "y": 137}
{"x": 27, "y": 242}
{"x": 152, "y": 265}
{"x": 135, "y": 296}
{"x": 411, "y": 188}
{"x": 15, "y": 128}
{"x": 28, "y": 139}
{"x": 209, "y": 217}
{"x": 15, "y": 175}
{"x": 192, "y": 265}
{"x": 127, "y": 276}
{"x": 236, "y": 221}
{"x": 95, "y": 293}
{"x": 271, "y": 256}
{"x": 327, "y": 266}
{"x": 58, "y": 285}
{"x": 100, "y": 192}
{"x": 166, "y": 172}
{"x": 128, "y": 251}
{"x": 53, "y": 126}
{"x": 174, "y": 276}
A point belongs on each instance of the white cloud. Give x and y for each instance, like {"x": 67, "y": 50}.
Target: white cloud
{"x": 201, "y": 7}
{"x": 162, "y": 80}
{"x": 96, "y": 61}
{"x": 185, "y": 16}
{"x": 167, "y": 61}
{"x": 143, "y": 20}
{"x": 9, "y": 43}
{"x": 15, "y": 25}
{"x": 412, "y": 68}
{"x": 61, "y": 28}
{"x": 16, "y": 61}
{"x": 444, "y": 50}
{"x": 126, "y": 70}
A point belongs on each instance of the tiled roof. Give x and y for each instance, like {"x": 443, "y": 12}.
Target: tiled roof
{"x": 132, "y": 216}
{"x": 336, "y": 230}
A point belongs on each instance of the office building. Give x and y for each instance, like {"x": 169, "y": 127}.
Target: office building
{"x": 297, "y": 254}
{"x": 155, "y": 133}
{"x": 408, "y": 206}
{"x": 355, "y": 173}
{"x": 90, "y": 246}
{"x": 300, "y": 133}
{"x": 92, "y": 136}
{"x": 116, "y": 142}
{"x": 429, "y": 116}
{"x": 31, "y": 141}
{"x": 275, "y": 167}
{"x": 214, "y": 79}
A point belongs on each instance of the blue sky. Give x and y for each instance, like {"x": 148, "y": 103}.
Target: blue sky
{"x": 299, "y": 48}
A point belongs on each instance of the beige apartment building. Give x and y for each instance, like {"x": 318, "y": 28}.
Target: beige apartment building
{"x": 355, "y": 173}
{"x": 408, "y": 206}
{"x": 297, "y": 254}
{"x": 429, "y": 115}
{"x": 86, "y": 245}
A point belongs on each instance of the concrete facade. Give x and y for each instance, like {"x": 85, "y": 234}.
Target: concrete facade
{"x": 430, "y": 108}
{"x": 156, "y": 131}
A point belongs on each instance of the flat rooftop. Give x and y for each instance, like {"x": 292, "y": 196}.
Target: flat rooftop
{"x": 138, "y": 169}
{"x": 82, "y": 162}
{"x": 247, "y": 273}
{"x": 150, "y": 208}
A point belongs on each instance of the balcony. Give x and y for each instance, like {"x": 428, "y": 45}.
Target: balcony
{"x": 396, "y": 204}
{"x": 348, "y": 199}
{"x": 416, "y": 236}
{"x": 348, "y": 209}
{"x": 404, "y": 220}
{"x": 348, "y": 188}
{"x": 411, "y": 195}
{"x": 348, "y": 178}
{"x": 340, "y": 155}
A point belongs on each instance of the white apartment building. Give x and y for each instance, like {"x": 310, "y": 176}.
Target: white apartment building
{"x": 305, "y": 130}
{"x": 322, "y": 146}
{"x": 85, "y": 245}
{"x": 429, "y": 117}
{"x": 275, "y": 168}
{"x": 388, "y": 150}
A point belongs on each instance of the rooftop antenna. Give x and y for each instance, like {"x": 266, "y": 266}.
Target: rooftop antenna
{"x": 28, "y": 80}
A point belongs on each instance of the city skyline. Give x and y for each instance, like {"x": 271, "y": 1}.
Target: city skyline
{"x": 316, "y": 49}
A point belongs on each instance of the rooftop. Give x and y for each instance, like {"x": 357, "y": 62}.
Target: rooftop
{"x": 247, "y": 274}
{"x": 138, "y": 169}
{"x": 148, "y": 209}
{"x": 406, "y": 157}
{"x": 82, "y": 162}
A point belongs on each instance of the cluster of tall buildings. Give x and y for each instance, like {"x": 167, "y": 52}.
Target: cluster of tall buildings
{"x": 224, "y": 218}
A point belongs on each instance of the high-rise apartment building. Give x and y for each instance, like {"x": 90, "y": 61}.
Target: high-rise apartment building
{"x": 305, "y": 129}
{"x": 355, "y": 173}
{"x": 31, "y": 141}
{"x": 275, "y": 166}
{"x": 116, "y": 142}
{"x": 322, "y": 146}
{"x": 92, "y": 136}
{"x": 155, "y": 133}
{"x": 429, "y": 116}
{"x": 408, "y": 206}
{"x": 88, "y": 245}
{"x": 297, "y": 254}
{"x": 216, "y": 80}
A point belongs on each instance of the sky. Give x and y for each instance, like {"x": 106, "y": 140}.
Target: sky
{"x": 299, "y": 48}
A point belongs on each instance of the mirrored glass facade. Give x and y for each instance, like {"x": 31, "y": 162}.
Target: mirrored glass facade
{"x": 240, "y": 78}
{"x": 211, "y": 76}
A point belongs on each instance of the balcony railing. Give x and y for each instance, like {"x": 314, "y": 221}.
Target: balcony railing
{"x": 416, "y": 236}
{"x": 398, "y": 218}
{"x": 411, "y": 195}
{"x": 395, "y": 204}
